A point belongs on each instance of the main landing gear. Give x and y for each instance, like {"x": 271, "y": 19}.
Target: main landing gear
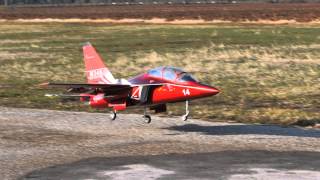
{"x": 146, "y": 117}
{"x": 113, "y": 115}
{"x": 185, "y": 116}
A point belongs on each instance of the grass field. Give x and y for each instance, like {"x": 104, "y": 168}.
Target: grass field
{"x": 267, "y": 74}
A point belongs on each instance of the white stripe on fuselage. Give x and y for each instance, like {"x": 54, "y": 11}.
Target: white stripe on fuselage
{"x": 193, "y": 87}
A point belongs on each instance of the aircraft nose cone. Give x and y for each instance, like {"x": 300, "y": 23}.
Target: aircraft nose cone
{"x": 210, "y": 90}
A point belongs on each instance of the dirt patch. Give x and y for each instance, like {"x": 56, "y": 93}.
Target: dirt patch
{"x": 186, "y": 14}
{"x": 162, "y": 21}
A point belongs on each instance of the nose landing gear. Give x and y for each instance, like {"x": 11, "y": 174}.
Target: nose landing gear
{"x": 185, "y": 116}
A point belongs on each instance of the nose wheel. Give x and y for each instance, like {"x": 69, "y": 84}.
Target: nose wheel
{"x": 113, "y": 116}
{"x": 186, "y": 116}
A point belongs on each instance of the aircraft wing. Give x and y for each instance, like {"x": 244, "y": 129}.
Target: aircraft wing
{"x": 103, "y": 86}
{"x": 107, "y": 88}
{"x": 71, "y": 85}
{"x": 110, "y": 97}
{"x": 111, "y": 90}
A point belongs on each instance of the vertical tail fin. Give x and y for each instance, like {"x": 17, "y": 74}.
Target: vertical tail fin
{"x": 96, "y": 71}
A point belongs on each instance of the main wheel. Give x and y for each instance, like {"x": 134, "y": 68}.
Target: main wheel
{"x": 147, "y": 118}
{"x": 113, "y": 116}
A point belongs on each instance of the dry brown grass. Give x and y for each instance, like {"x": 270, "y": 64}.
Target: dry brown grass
{"x": 273, "y": 80}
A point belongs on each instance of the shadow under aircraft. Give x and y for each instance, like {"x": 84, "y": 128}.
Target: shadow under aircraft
{"x": 247, "y": 129}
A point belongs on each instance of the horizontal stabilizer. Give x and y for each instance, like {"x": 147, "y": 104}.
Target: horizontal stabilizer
{"x": 66, "y": 95}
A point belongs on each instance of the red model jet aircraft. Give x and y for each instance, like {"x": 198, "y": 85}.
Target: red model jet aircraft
{"x": 152, "y": 89}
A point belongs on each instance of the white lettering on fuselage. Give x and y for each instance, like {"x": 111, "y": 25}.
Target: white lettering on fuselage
{"x": 186, "y": 92}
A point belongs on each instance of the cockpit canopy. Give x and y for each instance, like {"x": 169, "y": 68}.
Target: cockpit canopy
{"x": 171, "y": 74}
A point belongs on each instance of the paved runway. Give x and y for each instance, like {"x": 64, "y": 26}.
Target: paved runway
{"x": 44, "y": 144}
{"x": 232, "y": 165}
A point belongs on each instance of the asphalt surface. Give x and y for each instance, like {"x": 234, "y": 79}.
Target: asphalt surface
{"x": 45, "y": 144}
{"x": 218, "y": 165}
